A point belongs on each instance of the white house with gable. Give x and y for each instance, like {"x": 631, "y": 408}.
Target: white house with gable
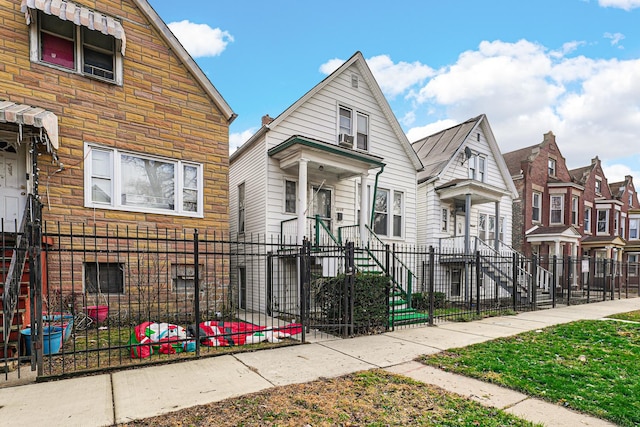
{"x": 465, "y": 196}
{"x": 300, "y": 175}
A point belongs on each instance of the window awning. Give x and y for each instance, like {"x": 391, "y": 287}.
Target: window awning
{"x": 79, "y": 15}
{"x": 26, "y": 115}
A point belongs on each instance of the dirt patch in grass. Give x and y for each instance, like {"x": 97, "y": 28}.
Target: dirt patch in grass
{"x": 368, "y": 398}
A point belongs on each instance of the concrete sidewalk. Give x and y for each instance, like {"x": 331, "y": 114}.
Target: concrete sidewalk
{"x": 120, "y": 397}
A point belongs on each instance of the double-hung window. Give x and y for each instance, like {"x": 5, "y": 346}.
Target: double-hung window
{"x": 362, "y": 141}
{"x": 388, "y": 215}
{"x": 574, "y": 210}
{"x": 587, "y": 220}
{"x": 445, "y": 220}
{"x": 358, "y": 128}
{"x": 122, "y": 180}
{"x": 557, "y": 209}
{"x": 536, "y": 207}
{"x": 345, "y": 121}
{"x": 84, "y": 41}
{"x": 241, "y": 210}
{"x": 603, "y": 221}
{"x": 598, "y": 187}
{"x": 633, "y": 228}
{"x": 552, "y": 167}
{"x": 290, "y": 196}
{"x": 477, "y": 167}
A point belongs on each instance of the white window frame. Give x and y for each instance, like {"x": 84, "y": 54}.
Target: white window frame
{"x": 634, "y": 224}
{"x": 36, "y": 50}
{"x": 551, "y": 208}
{"x": 630, "y": 199}
{"x": 536, "y": 207}
{"x": 552, "y": 166}
{"x": 445, "y": 220}
{"x": 587, "y": 219}
{"x": 242, "y": 212}
{"x": 616, "y": 223}
{"x": 391, "y": 214}
{"x": 482, "y": 227}
{"x": 115, "y": 178}
{"x": 478, "y": 167}
{"x": 623, "y": 226}
{"x": 574, "y": 210}
{"x": 604, "y": 221}
{"x": 295, "y": 196}
{"x": 598, "y": 187}
{"x": 362, "y": 131}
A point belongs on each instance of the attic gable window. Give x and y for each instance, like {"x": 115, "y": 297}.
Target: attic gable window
{"x": 348, "y": 127}
{"x": 74, "y": 38}
{"x": 552, "y": 167}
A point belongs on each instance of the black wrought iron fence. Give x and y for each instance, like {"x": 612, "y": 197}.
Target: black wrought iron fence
{"x": 119, "y": 296}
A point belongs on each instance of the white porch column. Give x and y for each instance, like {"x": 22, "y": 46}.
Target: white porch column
{"x": 496, "y": 240}
{"x": 364, "y": 207}
{"x": 302, "y": 198}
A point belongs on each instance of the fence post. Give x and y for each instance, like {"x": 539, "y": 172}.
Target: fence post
{"x": 391, "y": 308}
{"x": 531, "y": 286}
{"x": 567, "y": 273}
{"x": 605, "y": 279}
{"x": 613, "y": 279}
{"x": 305, "y": 274}
{"x": 514, "y": 289}
{"x": 432, "y": 258}
{"x": 478, "y": 282}
{"x": 349, "y": 301}
{"x": 196, "y": 284}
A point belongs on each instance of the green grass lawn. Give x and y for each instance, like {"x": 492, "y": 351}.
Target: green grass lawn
{"x": 591, "y": 366}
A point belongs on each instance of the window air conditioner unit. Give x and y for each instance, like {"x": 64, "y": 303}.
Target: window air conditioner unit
{"x": 345, "y": 140}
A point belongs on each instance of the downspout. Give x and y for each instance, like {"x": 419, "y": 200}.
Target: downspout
{"x": 375, "y": 191}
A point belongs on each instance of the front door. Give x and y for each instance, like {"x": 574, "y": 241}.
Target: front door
{"x": 13, "y": 188}
{"x": 322, "y": 205}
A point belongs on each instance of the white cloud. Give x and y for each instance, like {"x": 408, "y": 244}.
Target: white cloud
{"x": 392, "y": 78}
{"x": 526, "y": 90}
{"x": 237, "y": 139}
{"x": 417, "y": 133}
{"x": 620, "y": 4}
{"x": 331, "y": 65}
{"x": 617, "y": 172}
{"x": 200, "y": 40}
{"x": 615, "y": 38}
{"x": 395, "y": 79}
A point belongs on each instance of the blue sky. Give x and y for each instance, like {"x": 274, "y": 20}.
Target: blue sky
{"x": 567, "y": 66}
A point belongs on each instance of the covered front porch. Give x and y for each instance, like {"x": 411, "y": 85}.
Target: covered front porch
{"x": 323, "y": 203}
{"x": 464, "y": 195}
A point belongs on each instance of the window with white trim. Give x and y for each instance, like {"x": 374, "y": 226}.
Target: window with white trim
{"x": 602, "y": 221}
{"x": 477, "y": 167}
{"x": 123, "y": 180}
{"x": 398, "y": 209}
{"x": 388, "y": 206}
{"x": 557, "y": 209}
{"x": 630, "y": 199}
{"x": 76, "y": 48}
{"x": 290, "y": 196}
{"x": 598, "y": 186}
{"x": 574, "y": 210}
{"x": 482, "y": 227}
{"x": 587, "y": 220}
{"x": 536, "y": 207}
{"x": 552, "y": 167}
{"x": 359, "y": 128}
{"x": 241, "y": 210}
{"x": 632, "y": 262}
{"x": 616, "y": 222}
{"x": 345, "y": 121}
{"x": 362, "y": 139}
{"x": 445, "y": 220}
{"x": 623, "y": 227}
{"x": 633, "y": 228}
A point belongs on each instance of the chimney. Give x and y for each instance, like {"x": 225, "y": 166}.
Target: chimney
{"x": 266, "y": 119}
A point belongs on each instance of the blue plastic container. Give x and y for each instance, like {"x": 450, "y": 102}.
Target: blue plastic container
{"x": 51, "y": 338}
{"x": 64, "y": 320}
